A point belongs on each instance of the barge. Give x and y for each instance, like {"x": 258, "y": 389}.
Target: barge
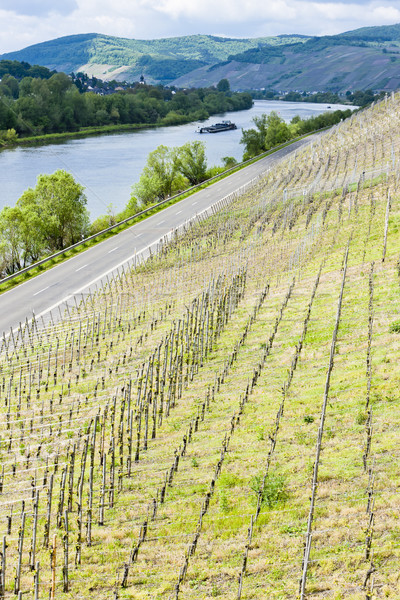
{"x": 217, "y": 127}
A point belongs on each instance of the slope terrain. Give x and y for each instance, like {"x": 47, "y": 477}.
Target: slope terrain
{"x": 366, "y": 58}
{"x": 336, "y": 69}
{"x": 162, "y": 60}
{"x": 222, "y": 420}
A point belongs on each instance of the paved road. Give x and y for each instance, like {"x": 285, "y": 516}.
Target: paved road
{"x": 59, "y": 284}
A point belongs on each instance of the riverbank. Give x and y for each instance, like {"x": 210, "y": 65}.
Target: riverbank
{"x": 108, "y": 164}
{"x": 86, "y": 132}
{"x": 83, "y": 132}
{"x": 51, "y": 261}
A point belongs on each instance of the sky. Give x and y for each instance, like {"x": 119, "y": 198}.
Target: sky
{"x": 27, "y": 22}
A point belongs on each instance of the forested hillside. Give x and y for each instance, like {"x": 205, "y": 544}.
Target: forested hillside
{"x": 362, "y": 59}
{"x": 221, "y": 420}
{"x": 161, "y": 60}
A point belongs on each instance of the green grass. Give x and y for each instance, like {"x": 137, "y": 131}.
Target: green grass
{"x": 262, "y": 243}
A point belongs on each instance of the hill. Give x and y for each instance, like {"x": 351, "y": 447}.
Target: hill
{"x": 367, "y": 58}
{"x": 161, "y": 60}
{"x": 222, "y": 420}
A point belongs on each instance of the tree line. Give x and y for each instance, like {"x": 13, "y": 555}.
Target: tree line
{"x": 357, "y": 98}
{"x": 37, "y": 105}
{"x": 167, "y": 172}
{"x": 271, "y": 130}
{"x": 53, "y": 215}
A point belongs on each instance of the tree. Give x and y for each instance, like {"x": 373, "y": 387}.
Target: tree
{"x": 8, "y": 81}
{"x": 8, "y": 137}
{"x": 271, "y": 131}
{"x": 130, "y": 209}
{"x": 223, "y": 86}
{"x": 61, "y": 204}
{"x": 7, "y": 117}
{"x": 229, "y": 161}
{"x": 277, "y": 132}
{"x": 33, "y": 227}
{"x": 49, "y": 217}
{"x": 192, "y": 161}
{"x": 10, "y": 239}
{"x": 254, "y": 139}
{"x": 25, "y": 87}
{"x": 58, "y": 84}
{"x": 22, "y": 233}
{"x": 160, "y": 177}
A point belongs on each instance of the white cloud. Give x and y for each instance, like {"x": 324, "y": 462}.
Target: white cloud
{"x": 312, "y": 17}
{"x": 385, "y": 14}
{"x": 25, "y": 22}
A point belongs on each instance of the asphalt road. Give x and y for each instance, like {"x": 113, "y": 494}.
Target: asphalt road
{"x": 58, "y": 285}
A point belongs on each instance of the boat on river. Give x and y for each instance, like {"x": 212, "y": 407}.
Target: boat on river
{"x": 217, "y": 127}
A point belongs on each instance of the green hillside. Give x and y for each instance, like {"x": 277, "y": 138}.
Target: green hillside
{"x": 222, "y": 420}
{"x": 160, "y": 59}
{"x": 367, "y": 58}
{"x": 383, "y": 33}
{"x": 332, "y": 63}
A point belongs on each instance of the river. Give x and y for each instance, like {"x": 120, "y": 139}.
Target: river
{"x": 108, "y": 165}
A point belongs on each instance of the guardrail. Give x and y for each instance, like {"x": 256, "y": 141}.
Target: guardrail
{"x": 153, "y": 206}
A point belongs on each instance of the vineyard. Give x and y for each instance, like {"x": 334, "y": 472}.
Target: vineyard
{"x": 220, "y": 420}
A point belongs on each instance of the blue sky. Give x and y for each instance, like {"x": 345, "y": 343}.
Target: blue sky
{"x": 26, "y": 22}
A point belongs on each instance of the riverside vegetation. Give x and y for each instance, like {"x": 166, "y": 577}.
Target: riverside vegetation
{"x": 53, "y": 215}
{"x": 221, "y": 420}
{"x": 37, "y": 101}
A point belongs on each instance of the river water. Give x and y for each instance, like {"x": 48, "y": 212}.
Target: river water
{"x": 108, "y": 165}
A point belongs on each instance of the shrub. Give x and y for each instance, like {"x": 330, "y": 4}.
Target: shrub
{"x": 275, "y": 489}
{"x": 395, "y": 327}
{"x": 223, "y": 502}
{"x": 361, "y": 418}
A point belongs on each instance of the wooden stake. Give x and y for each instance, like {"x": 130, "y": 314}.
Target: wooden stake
{"x": 53, "y": 568}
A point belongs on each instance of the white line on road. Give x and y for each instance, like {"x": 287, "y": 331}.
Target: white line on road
{"x": 116, "y": 248}
{"x": 43, "y": 290}
{"x": 100, "y": 277}
{"x": 179, "y": 212}
{"x": 161, "y": 222}
{"x": 80, "y": 268}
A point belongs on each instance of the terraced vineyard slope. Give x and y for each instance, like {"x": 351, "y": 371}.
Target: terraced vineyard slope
{"x": 222, "y": 420}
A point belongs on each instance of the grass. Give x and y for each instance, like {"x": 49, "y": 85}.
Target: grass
{"x": 253, "y": 233}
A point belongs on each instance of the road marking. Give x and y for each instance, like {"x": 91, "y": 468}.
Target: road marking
{"x": 43, "y": 290}
{"x": 100, "y": 277}
{"x": 80, "y": 268}
{"x": 161, "y": 222}
{"x": 139, "y": 234}
{"x": 179, "y": 212}
{"x": 116, "y": 248}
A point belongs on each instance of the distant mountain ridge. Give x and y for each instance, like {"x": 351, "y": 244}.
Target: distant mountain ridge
{"x": 160, "y": 60}
{"x": 366, "y": 58}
